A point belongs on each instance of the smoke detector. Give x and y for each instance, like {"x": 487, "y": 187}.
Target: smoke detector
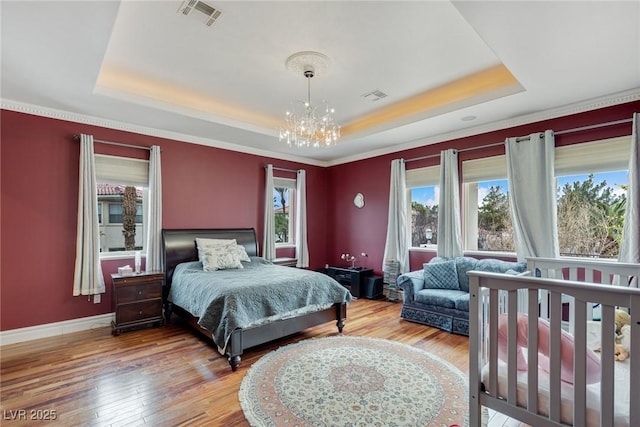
{"x": 200, "y": 9}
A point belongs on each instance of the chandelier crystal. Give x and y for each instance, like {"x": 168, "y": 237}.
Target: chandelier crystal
{"x": 307, "y": 125}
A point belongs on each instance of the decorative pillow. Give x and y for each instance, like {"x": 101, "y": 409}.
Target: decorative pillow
{"x": 219, "y": 258}
{"x": 203, "y": 243}
{"x": 499, "y": 266}
{"x": 240, "y": 252}
{"x": 441, "y": 275}
{"x": 566, "y": 349}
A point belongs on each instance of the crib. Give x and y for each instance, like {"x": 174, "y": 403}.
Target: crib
{"x": 564, "y": 295}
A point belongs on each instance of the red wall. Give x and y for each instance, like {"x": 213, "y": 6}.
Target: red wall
{"x": 203, "y": 187}
{"x": 38, "y": 204}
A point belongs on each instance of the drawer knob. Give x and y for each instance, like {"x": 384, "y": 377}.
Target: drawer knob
{"x": 139, "y": 292}
{"x": 140, "y": 313}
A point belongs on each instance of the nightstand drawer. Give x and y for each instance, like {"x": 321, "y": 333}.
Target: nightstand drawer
{"x": 139, "y": 292}
{"x": 135, "y": 312}
{"x": 138, "y": 279}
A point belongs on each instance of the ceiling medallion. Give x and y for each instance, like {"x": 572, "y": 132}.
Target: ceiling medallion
{"x": 307, "y": 125}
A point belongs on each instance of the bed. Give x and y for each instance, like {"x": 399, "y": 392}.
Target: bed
{"x": 566, "y": 373}
{"x": 234, "y": 327}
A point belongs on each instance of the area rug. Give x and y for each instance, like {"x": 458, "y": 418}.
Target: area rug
{"x": 353, "y": 381}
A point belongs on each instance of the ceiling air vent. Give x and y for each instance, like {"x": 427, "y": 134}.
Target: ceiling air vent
{"x": 374, "y": 95}
{"x": 201, "y": 9}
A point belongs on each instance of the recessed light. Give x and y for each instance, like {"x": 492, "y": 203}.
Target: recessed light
{"x": 468, "y": 118}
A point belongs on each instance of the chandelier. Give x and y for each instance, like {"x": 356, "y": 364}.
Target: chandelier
{"x": 307, "y": 125}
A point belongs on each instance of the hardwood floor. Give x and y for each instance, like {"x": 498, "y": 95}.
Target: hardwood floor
{"x": 167, "y": 375}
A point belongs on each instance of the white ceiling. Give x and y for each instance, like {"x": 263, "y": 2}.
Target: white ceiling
{"x": 145, "y": 67}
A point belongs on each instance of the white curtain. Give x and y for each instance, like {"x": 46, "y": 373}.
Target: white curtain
{"x": 532, "y": 195}
{"x": 154, "y": 213}
{"x": 630, "y": 247}
{"x": 449, "y": 217}
{"x": 398, "y": 234}
{"x": 269, "y": 241}
{"x": 302, "y": 249}
{"x": 88, "y": 278}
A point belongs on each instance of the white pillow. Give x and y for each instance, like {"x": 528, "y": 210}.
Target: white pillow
{"x": 240, "y": 252}
{"x": 203, "y": 243}
{"x": 220, "y": 258}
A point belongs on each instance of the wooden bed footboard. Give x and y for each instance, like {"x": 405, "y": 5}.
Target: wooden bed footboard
{"x": 242, "y": 339}
{"x": 495, "y": 381}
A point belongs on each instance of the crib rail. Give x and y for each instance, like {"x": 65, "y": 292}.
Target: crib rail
{"x": 491, "y": 294}
{"x": 591, "y": 270}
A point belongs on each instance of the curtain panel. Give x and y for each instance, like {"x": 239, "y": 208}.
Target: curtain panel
{"x": 396, "y": 247}
{"x": 532, "y": 195}
{"x": 88, "y": 278}
{"x": 630, "y": 246}
{"x": 302, "y": 248}
{"x": 449, "y": 217}
{"x": 269, "y": 241}
{"x": 153, "y": 244}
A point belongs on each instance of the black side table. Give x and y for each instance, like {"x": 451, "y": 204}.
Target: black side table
{"x": 351, "y": 278}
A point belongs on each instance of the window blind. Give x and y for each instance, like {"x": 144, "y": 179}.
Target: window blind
{"x": 284, "y": 182}
{"x": 423, "y": 177}
{"x": 485, "y": 169}
{"x": 598, "y": 156}
{"x": 122, "y": 170}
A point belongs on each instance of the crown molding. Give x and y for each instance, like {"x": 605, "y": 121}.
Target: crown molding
{"x": 53, "y": 113}
{"x": 566, "y": 110}
{"x": 553, "y": 113}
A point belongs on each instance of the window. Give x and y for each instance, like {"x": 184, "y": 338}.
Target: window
{"x": 424, "y": 190}
{"x": 283, "y": 210}
{"x": 591, "y": 182}
{"x": 486, "y": 214}
{"x": 122, "y": 191}
{"x": 591, "y": 214}
{"x": 115, "y": 213}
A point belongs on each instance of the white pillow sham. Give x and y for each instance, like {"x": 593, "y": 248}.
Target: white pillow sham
{"x": 203, "y": 243}
{"x": 240, "y": 252}
{"x": 220, "y": 258}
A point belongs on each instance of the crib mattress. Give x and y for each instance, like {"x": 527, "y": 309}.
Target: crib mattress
{"x": 621, "y": 389}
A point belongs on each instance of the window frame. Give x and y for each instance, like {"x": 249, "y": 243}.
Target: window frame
{"x": 118, "y": 170}
{"x": 427, "y": 176}
{"x": 482, "y": 169}
{"x": 291, "y": 184}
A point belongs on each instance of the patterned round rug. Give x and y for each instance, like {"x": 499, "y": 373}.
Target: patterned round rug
{"x": 352, "y": 381}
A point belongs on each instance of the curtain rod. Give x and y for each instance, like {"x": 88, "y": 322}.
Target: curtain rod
{"x": 283, "y": 169}
{"x": 560, "y": 132}
{"x": 600, "y": 125}
{"x": 119, "y": 144}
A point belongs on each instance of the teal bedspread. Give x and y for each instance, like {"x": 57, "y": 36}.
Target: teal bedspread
{"x": 226, "y": 300}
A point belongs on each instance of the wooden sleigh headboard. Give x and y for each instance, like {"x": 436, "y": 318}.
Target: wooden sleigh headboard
{"x": 179, "y": 245}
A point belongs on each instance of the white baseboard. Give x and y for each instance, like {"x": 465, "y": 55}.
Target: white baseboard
{"x": 14, "y": 336}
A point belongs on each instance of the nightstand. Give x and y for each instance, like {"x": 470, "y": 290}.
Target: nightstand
{"x": 350, "y": 278}
{"x": 137, "y": 300}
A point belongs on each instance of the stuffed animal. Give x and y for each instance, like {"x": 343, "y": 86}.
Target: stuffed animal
{"x": 623, "y": 328}
{"x": 622, "y": 318}
{"x": 620, "y": 352}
